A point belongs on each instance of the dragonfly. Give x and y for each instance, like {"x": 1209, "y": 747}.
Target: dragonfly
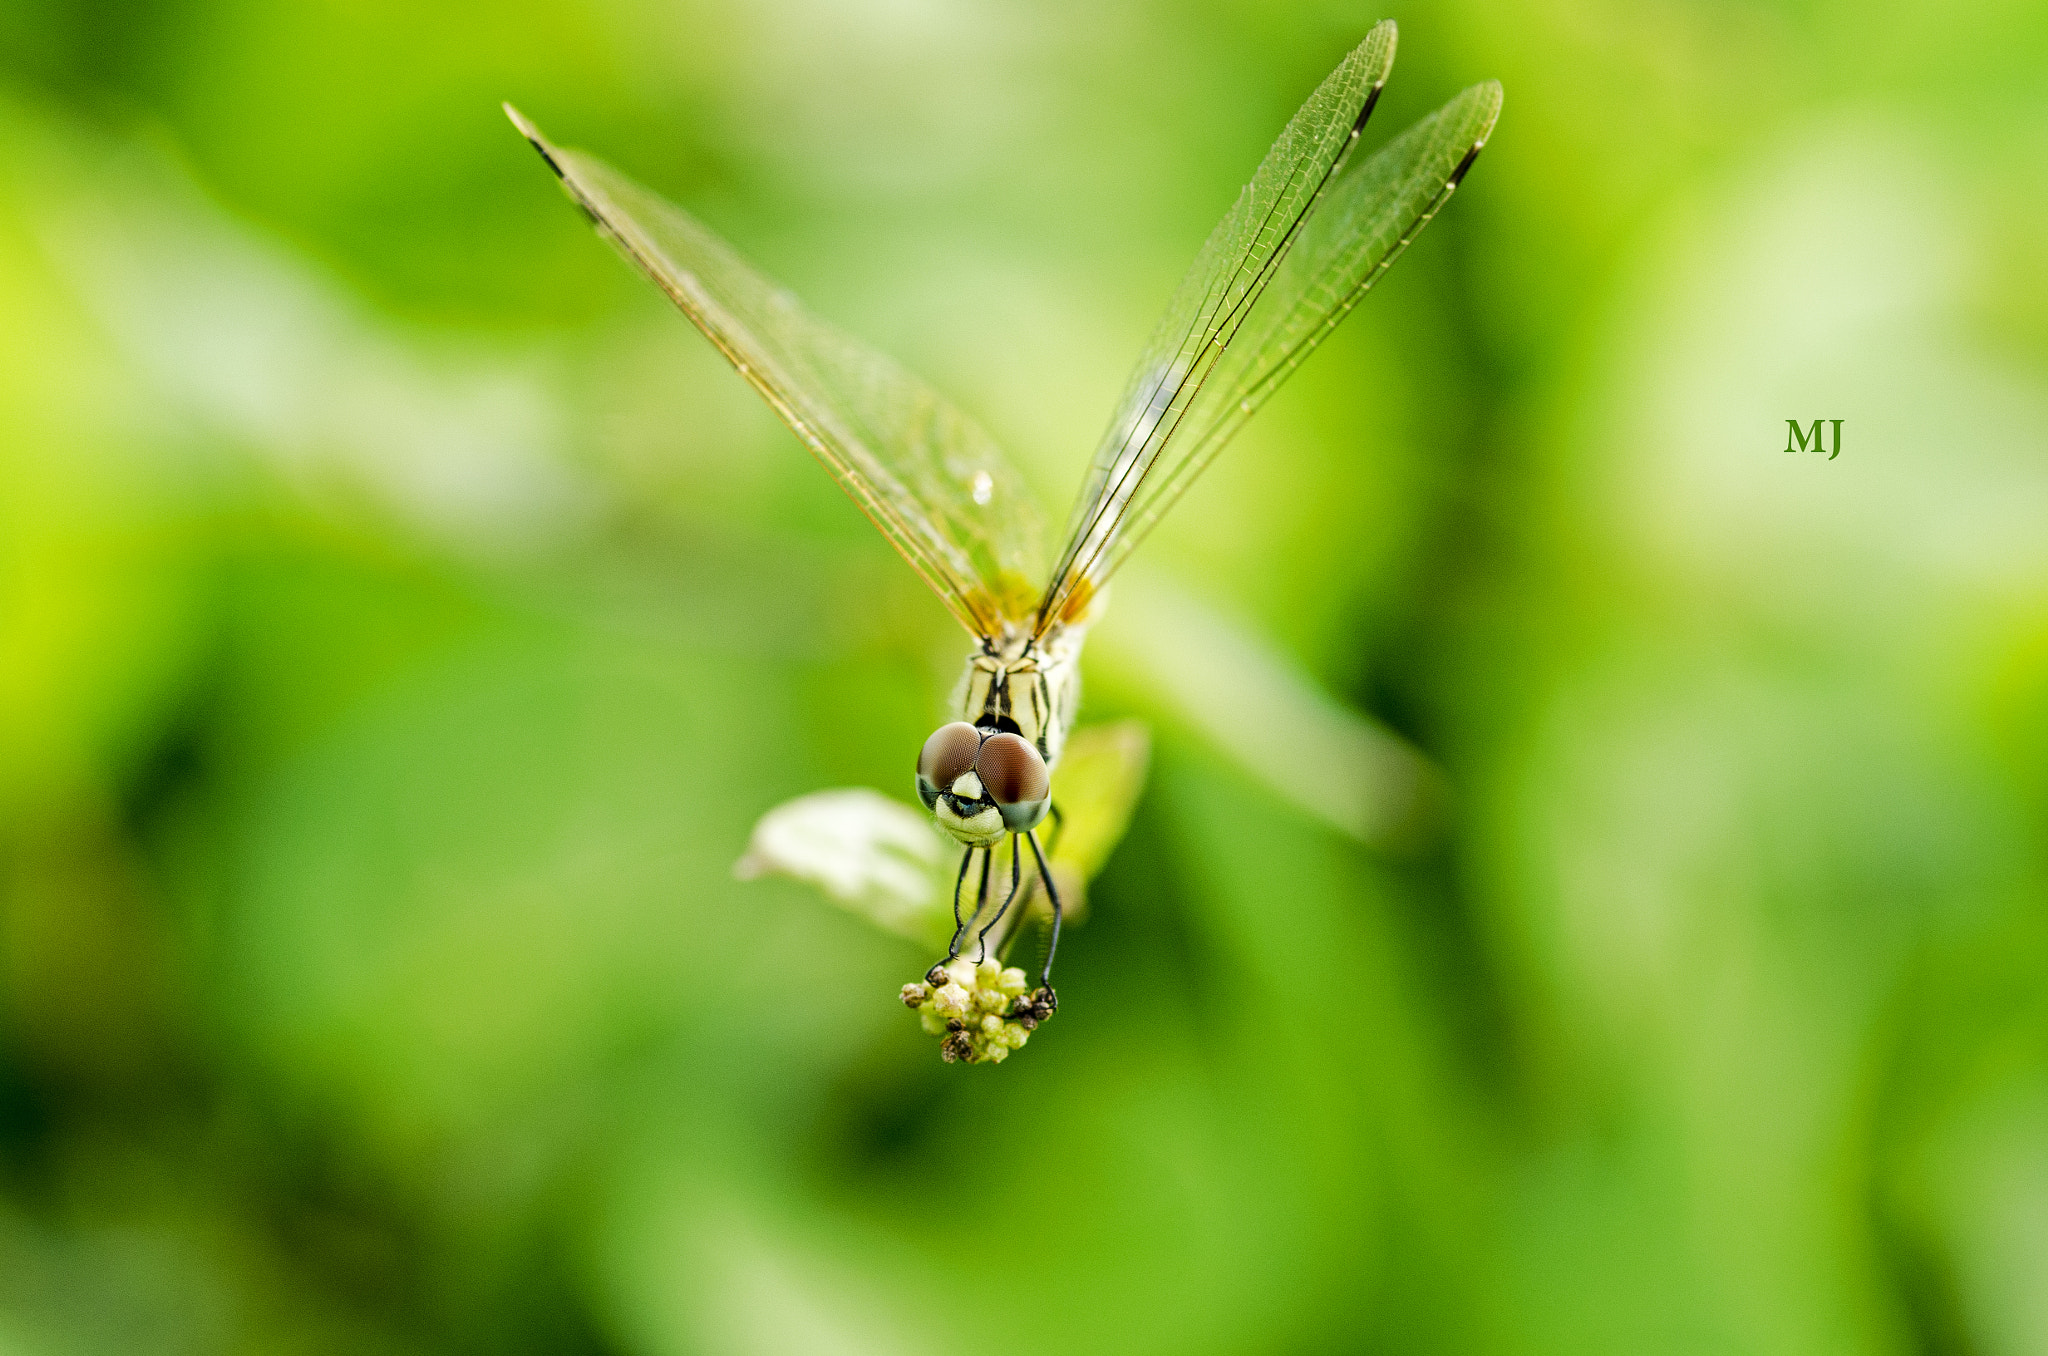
{"x": 1311, "y": 233}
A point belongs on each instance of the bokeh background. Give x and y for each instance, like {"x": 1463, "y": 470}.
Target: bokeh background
{"x": 404, "y": 616}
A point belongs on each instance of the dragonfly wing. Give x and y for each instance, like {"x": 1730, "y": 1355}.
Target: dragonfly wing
{"x": 1351, "y": 231}
{"x": 935, "y": 484}
{"x": 1235, "y": 265}
{"x": 1374, "y": 208}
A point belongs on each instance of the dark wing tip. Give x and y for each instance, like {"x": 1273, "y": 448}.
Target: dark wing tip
{"x": 1464, "y": 166}
{"x": 1489, "y": 94}
{"x": 1388, "y": 33}
{"x": 1378, "y": 50}
{"x": 532, "y": 134}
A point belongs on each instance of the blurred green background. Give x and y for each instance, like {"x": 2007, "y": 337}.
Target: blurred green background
{"x": 404, "y": 615}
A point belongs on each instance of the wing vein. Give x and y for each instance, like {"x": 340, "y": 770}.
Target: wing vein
{"x": 1236, "y": 265}
{"x": 1360, "y": 216}
{"x": 930, "y": 481}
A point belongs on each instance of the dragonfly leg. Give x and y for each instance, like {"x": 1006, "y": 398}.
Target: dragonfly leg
{"x": 1059, "y": 826}
{"x": 1016, "y": 879}
{"x": 959, "y": 926}
{"x": 1053, "y": 897}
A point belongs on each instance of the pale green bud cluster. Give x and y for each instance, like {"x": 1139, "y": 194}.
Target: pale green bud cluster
{"x": 981, "y": 1012}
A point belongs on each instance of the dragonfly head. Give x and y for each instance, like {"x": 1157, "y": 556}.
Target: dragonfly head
{"x": 982, "y": 784}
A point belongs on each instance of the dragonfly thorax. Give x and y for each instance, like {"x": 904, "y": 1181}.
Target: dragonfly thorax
{"x": 989, "y": 773}
{"x": 1026, "y": 686}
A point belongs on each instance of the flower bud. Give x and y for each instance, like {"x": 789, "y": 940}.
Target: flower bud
{"x": 980, "y": 1009}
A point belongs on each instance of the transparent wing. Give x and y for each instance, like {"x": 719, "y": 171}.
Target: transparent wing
{"x": 934, "y": 483}
{"x": 1234, "y": 267}
{"x": 1370, "y": 211}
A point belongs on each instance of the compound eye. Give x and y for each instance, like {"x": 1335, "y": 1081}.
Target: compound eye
{"x": 947, "y": 754}
{"x": 1015, "y": 778}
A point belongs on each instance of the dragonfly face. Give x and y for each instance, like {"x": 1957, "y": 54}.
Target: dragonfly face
{"x": 982, "y": 784}
{"x": 1309, "y": 235}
